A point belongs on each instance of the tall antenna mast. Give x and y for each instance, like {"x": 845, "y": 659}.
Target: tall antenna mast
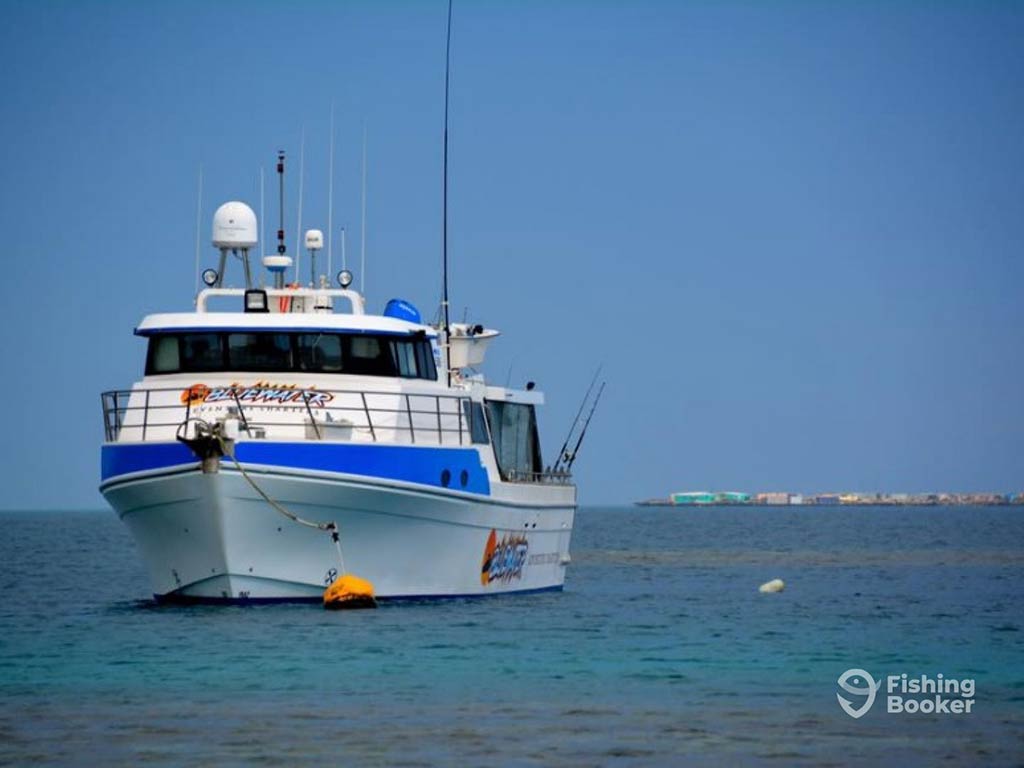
{"x": 281, "y": 250}
{"x": 362, "y": 227}
{"x": 263, "y": 220}
{"x": 298, "y": 225}
{"x": 199, "y": 214}
{"x": 330, "y": 198}
{"x": 444, "y": 206}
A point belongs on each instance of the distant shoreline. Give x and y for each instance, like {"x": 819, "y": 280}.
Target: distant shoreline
{"x": 703, "y": 499}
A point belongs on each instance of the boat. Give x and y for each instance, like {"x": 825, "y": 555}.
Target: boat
{"x": 281, "y": 435}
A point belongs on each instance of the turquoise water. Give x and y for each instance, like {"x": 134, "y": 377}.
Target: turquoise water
{"x": 660, "y": 650}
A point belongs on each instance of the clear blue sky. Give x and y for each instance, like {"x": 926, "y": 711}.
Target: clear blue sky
{"x": 791, "y": 231}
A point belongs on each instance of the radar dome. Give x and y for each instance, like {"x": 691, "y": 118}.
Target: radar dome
{"x": 314, "y": 239}
{"x": 234, "y": 226}
{"x": 277, "y": 263}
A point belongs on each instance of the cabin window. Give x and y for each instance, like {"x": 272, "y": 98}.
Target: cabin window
{"x": 473, "y": 412}
{"x": 405, "y": 358}
{"x": 514, "y": 434}
{"x": 163, "y": 355}
{"x": 259, "y": 351}
{"x": 361, "y": 354}
{"x": 425, "y": 360}
{"x": 319, "y": 352}
{"x": 201, "y": 352}
{"x": 369, "y": 356}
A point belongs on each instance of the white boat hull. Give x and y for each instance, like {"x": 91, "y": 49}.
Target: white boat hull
{"x": 211, "y": 537}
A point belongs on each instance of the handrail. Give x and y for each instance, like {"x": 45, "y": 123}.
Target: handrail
{"x": 286, "y": 413}
{"x": 436, "y": 418}
{"x": 369, "y": 419}
{"x": 555, "y": 476}
{"x": 305, "y": 399}
{"x": 357, "y": 301}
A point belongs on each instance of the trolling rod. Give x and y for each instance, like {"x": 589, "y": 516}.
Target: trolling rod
{"x": 579, "y": 413}
{"x": 575, "y": 450}
{"x": 444, "y": 205}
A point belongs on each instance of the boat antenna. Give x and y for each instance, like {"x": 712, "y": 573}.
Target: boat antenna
{"x": 298, "y": 225}
{"x": 199, "y": 214}
{"x": 263, "y": 221}
{"x": 344, "y": 260}
{"x": 583, "y": 432}
{"x": 330, "y": 197}
{"x": 362, "y": 225}
{"x": 444, "y": 205}
{"x": 280, "y": 181}
{"x": 562, "y": 455}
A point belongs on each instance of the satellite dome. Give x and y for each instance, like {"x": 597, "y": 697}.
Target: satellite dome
{"x": 234, "y": 226}
{"x": 314, "y": 239}
{"x": 277, "y": 263}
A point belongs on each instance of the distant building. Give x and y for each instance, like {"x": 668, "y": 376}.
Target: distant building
{"x": 693, "y": 497}
{"x": 732, "y": 497}
{"x": 708, "y": 497}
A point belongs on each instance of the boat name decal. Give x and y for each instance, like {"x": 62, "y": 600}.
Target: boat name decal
{"x": 503, "y": 560}
{"x": 260, "y": 392}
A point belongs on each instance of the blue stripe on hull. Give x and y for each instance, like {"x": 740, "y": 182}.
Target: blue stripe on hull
{"x": 424, "y": 465}
{"x": 176, "y": 599}
{"x": 117, "y": 459}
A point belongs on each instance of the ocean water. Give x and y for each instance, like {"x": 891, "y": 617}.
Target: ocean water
{"x": 660, "y": 651}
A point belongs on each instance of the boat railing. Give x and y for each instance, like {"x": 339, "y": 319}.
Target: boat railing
{"x": 292, "y": 413}
{"x": 549, "y": 476}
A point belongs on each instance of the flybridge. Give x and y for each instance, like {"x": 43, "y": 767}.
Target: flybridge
{"x": 296, "y": 327}
{"x": 285, "y": 300}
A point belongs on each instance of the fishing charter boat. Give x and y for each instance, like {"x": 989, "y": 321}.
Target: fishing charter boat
{"x": 281, "y": 435}
{"x": 291, "y": 441}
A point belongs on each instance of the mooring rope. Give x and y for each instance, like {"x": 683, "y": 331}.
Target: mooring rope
{"x": 331, "y": 527}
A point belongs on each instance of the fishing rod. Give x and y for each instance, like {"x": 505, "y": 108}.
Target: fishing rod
{"x": 586, "y": 424}
{"x": 583, "y": 404}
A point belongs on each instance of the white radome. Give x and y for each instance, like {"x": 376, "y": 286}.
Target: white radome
{"x": 314, "y": 239}
{"x": 234, "y": 226}
{"x": 277, "y": 262}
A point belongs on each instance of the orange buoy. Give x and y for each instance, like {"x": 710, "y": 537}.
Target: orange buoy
{"x": 348, "y": 591}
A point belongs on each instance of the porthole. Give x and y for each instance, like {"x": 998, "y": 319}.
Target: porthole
{"x": 446, "y": 477}
{"x": 464, "y": 478}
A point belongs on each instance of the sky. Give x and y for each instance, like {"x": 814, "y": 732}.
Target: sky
{"x": 791, "y": 232}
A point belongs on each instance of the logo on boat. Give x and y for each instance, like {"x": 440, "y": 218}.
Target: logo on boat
{"x": 503, "y": 560}
{"x": 260, "y": 393}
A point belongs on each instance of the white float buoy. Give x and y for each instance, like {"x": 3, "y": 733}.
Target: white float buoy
{"x": 775, "y": 585}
